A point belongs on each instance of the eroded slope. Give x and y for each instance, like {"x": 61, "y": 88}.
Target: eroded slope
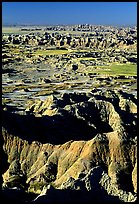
{"x": 60, "y": 140}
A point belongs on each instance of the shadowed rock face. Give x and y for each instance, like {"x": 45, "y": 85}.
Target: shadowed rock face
{"x": 74, "y": 141}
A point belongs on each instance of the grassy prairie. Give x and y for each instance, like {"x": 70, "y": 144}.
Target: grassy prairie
{"x": 128, "y": 69}
{"x": 52, "y": 52}
{"x": 115, "y": 69}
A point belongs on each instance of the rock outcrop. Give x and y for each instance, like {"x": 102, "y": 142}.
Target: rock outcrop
{"x": 76, "y": 142}
{"x": 103, "y": 37}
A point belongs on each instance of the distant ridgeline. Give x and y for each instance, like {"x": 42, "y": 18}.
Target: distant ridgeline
{"x": 80, "y": 36}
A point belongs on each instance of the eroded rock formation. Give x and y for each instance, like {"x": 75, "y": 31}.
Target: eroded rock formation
{"x": 85, "y": 142}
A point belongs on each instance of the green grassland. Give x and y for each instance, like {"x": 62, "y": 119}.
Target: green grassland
{"x": 115, "y": 69}
{"x": 52, "y": 52}
{"x": 128, "y": 69}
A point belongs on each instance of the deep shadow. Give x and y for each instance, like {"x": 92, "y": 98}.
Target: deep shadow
{"x": 57, "y": 196}
{"x": 67, "y": 196}
{"x": 8, "y": 70}
{"x": 125, "y": 181}
{"x": 15, "y": 196}
{"x": 56, "y": 129}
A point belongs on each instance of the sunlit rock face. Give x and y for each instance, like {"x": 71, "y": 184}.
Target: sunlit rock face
{"x": 60, "y": 141}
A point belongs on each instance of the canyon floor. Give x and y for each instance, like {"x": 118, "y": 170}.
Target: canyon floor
{"x": 69, "y": 116}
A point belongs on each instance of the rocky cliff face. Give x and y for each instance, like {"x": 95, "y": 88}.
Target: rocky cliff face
{"x": 85, "y": 142}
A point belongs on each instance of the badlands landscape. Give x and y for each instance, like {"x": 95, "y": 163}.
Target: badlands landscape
{"x": 69, "y": 114}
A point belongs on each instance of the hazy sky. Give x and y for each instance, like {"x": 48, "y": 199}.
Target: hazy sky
{"x": 108, "y": 13}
